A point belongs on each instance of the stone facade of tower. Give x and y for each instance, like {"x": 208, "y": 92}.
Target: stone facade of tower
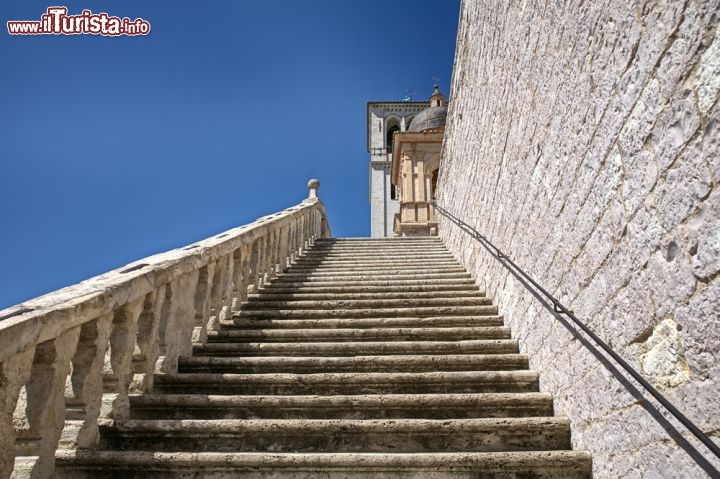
{"x": 583, "y": 139}
{"x": 384, "y": 118}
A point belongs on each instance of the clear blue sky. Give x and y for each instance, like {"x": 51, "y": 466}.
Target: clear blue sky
{"x": 112, "y": 149}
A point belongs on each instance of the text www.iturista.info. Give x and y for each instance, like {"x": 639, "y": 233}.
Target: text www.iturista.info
{"x": 57, "y": 22}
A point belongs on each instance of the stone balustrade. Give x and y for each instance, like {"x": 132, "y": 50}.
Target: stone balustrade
{"x": 69, "y": 359}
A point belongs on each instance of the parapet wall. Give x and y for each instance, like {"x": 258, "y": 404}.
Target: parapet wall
{"x": 582, "y": 139}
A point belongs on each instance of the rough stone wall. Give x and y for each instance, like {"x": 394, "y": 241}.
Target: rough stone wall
{"x": 582, "y": 139}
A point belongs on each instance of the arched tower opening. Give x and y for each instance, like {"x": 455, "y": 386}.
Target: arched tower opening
{"x": 392, "y": 128}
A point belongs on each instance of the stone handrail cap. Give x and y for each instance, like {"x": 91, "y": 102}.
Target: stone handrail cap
{"x": 313, "y": 184}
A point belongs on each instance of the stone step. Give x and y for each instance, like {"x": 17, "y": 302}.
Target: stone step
{"x": 384, "y": 363}
{"x": 370, "y": 253}
{"x": 367, "y": 334}
{"x": 376, "y": 255}
{"x": 363, "y": 323}
{"x": 422, "y": 312}
{"x": 400, "y": 240}
{"x": 343, "y": 435}
{"x": 327, "y": 384}
{"x": 379, "y": 245}
{"x": 335, "y": 304}
{"x": 421, "y": 274}
{"x": 479, "y": 346}
{"x": 376, "y": 406}
{"x": 303, "y": 282}
{"x": 367, "y": 249}
{"x": 285, "y": 295}
{"x": 387, "y": 242}
{"x": 378, "y": 263}
{"x": 446, "y": 465}
{"x": 373, "y": 285}
{"x": 355, "y": 267}
{"x": 375, "y": 270}
{"x": 372, "y": 257}
{"x": 396, "y": 245}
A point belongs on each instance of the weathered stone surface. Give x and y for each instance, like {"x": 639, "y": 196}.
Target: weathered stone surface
{"x": 346, "y": 435}
{"x": 687, "y": 184}
{"x": 493, "y": 465}
{"x": 700, "y": 333}
{"x": 582, "y": 139}
{"x": 345, "y": 348}
{"x": 709, "y": 76}
{"x": 663, "y": 360}
{"x": 670, "y": 265}
{"x": 703, "y": 238}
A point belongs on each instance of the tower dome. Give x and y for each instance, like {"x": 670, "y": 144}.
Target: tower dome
{"x": 432, "y": 118}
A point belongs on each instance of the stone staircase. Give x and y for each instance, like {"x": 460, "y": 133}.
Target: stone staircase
{"x": 367, "y": 358}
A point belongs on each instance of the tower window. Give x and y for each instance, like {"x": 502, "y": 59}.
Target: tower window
{"x": 389, "y": 138}
{"x": 393, "y": 192}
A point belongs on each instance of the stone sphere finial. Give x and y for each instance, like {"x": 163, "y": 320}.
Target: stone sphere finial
{"x": 313, "y": 185}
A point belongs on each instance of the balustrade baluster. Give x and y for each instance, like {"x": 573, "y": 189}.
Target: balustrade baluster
{"x": 86, "y": 385}
{"x": 148, "y": 344}
{"x": 14, "y": 373}
{"x": 37, "y": 439}
{"x": 117, "y": 370}
{"x": 178, "y": 321}
{"x": 221, "y": 293}
{"x": 202, "y": 302}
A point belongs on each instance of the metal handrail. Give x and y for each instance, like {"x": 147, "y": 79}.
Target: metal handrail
{"x": 559, "y": 308}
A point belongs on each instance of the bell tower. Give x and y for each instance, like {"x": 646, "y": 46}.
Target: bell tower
{"x": 384, "y": 120}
